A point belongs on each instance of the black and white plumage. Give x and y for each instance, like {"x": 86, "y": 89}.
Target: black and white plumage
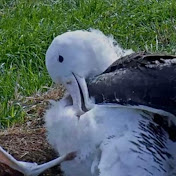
{"x": 130, "y": 131}
{"x": 127, "y": 133}
{"x": 138, "y": 79}
{"x": 111, "y": 141}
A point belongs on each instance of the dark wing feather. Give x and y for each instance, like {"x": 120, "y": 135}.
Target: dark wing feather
{"x": 138, "y": 79}
{"x": 137, "y": 60}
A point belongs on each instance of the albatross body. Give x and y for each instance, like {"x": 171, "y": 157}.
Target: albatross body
{"x": 114, "y": 137}
{"x": 111, "y": 141}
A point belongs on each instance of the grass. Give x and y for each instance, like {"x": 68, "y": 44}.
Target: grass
{"x": 28, "y": 26}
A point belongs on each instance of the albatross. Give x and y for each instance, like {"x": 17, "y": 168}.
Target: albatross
{"x": 74, "y": 56}
{"x": 119, "y": 113}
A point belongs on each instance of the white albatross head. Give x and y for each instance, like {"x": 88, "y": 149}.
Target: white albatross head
{"x": 74, "y": 56}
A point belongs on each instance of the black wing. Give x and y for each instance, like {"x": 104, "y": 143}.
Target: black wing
{"x": 138, "y": 79}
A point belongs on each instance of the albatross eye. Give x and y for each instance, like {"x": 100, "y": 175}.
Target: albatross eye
{"x": 60, "y": 59}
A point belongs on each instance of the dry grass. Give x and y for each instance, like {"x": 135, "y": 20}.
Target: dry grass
{"x": 29, "y": 146}
{"x": 27, "y": 141}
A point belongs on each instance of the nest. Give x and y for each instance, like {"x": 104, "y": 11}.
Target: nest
{"x": 27, "y": 142}
{"x": 30, "y": 146}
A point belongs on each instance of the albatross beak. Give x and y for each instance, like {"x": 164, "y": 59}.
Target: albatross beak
{"x": 72, "y": 86}
{"x": 32, "y": 169}
{"x": 76, "y": 85}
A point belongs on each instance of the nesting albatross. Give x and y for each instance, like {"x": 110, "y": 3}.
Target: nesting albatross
{"x": 130, "y": 130}
{"x": 121, "y": 116}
